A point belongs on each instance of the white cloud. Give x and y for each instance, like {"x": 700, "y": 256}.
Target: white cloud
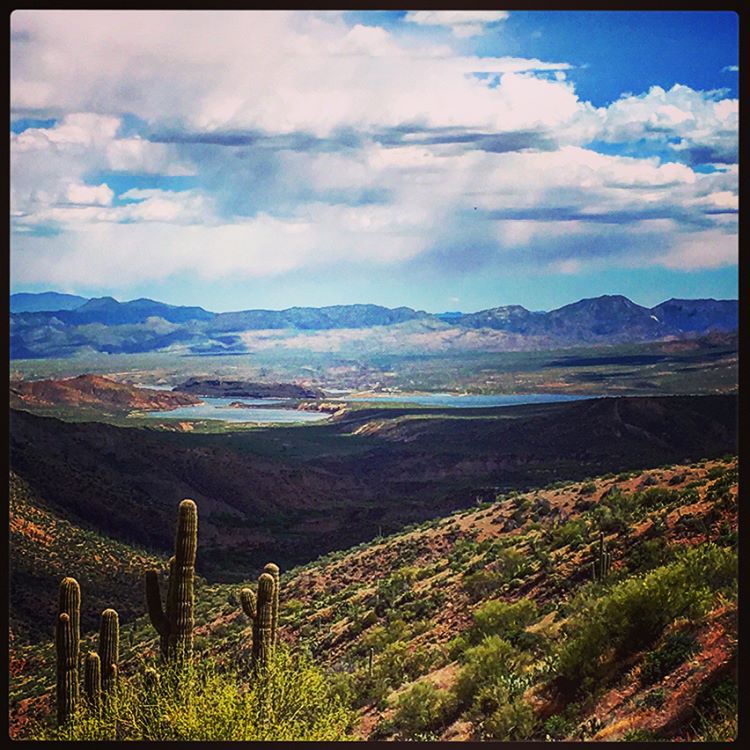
{"x": 463, "y": 23}
{"x": 684, "y": 118}
{"x": 274, "y": 71}
{"x": 98, "y": 195}
{"x": 535, "y": 193}
{"x": 710, "y": 249}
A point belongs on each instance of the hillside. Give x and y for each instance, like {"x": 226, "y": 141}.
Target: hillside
{"x": 488, "y": 623}
{"x": 306, "y": 491}
{"x": 45, "y": 546}
{"x": 94, "y": 391}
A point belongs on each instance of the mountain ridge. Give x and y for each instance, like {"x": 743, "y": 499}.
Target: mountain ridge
{"x": 142, "y": 325}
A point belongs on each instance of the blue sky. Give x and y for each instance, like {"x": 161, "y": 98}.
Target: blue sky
{"x": 441, "y": 160}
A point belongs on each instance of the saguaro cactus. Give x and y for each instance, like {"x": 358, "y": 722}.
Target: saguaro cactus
{"x": 92, "y": 679}
{"x": 273, "y": 570}
{"x": 174, "y": 623}
{"x": 67, "y": 646}
{"x": 263, "y": 621}
{"x": 263, "y": 611}
{"x": 601, "y": 565}
{"x": 109, "y": 648}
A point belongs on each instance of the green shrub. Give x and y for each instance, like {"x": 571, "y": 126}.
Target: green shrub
{"x": 677, "y": 647}
{"x": 716, "y": 712}
{"x": 572, "y": 533}
{"x": 482, "y": 583}
{"x": 291, "y": 700}
{"x": 635, "y": 611}
{"x": 419, "y": 710}
{"x": 655, "y": 698}
{"x": 649, "y": 554}
{"x": 493, "y": 661}
{"x": 506, "y": 619}
{"x": 502, "y": 717}
{"x": 560, "y": 726}
{"x": 656, "y": 497}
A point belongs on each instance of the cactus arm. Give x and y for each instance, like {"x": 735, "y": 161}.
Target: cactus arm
{"x": 69, "y": 601}
{"x": 153, "y": 603}
{"x": 247, "y": 599}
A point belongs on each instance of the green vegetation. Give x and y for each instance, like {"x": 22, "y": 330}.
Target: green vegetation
{"x": 512, "y": 621}
{"x": 635, "y": 611}
{"x": 291, "y": 700}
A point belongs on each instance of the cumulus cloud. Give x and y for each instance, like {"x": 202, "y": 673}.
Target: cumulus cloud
{"x": 462, "y": 23}
{"x": 702, "y": 124}
{"x": 314, "y": 142}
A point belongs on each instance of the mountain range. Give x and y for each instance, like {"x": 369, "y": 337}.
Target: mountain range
{"x": 143, "y": 325}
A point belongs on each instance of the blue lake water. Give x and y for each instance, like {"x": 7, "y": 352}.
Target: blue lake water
{"x": 218, "y": 408}
{"x": 475, "y": 401}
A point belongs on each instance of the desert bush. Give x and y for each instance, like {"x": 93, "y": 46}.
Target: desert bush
{"x": 572, "y": 533}
{"x": 291, "y": 700}
{"x": 676, "y": 648}
{"x": 421, "y": 709}
{"x": 635, "y": 611}
{"x": 490, "y": 687}
{"x": 649, "y": 554}
{"x": 506, "y": 619}
{"x": 716, "y": 712}
{"x": 482, "y": 583}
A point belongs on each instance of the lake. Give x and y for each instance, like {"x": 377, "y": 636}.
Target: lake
{"x": 475, "y": 401}
{"x": 218, "y": 408}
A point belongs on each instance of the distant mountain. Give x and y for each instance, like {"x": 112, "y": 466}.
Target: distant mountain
{"x": 688, "y": 315}
{"x": 109, "y": 311}
{"x": 44, "y": 301}
{"x": 105, "y": 325}
{"x": 315, "y": 318}
{"x": 610, "y": 318}
{"x": 512, "y": 318}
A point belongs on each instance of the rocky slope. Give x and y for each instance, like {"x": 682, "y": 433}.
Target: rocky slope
{"x": 306, "y": 491}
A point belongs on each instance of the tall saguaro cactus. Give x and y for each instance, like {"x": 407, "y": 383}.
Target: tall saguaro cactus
{"x": 273, "y": 570}
{"x": 263, "y": 622}
{"x": 174, "y": 622}
{"x": 67, "y": 646}
{"x": 109, "y": 648}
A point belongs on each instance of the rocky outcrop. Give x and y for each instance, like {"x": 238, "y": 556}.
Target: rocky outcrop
{"x": 95, "y": 391}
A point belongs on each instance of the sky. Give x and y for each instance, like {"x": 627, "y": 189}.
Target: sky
{"x": 442, "y": 160}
